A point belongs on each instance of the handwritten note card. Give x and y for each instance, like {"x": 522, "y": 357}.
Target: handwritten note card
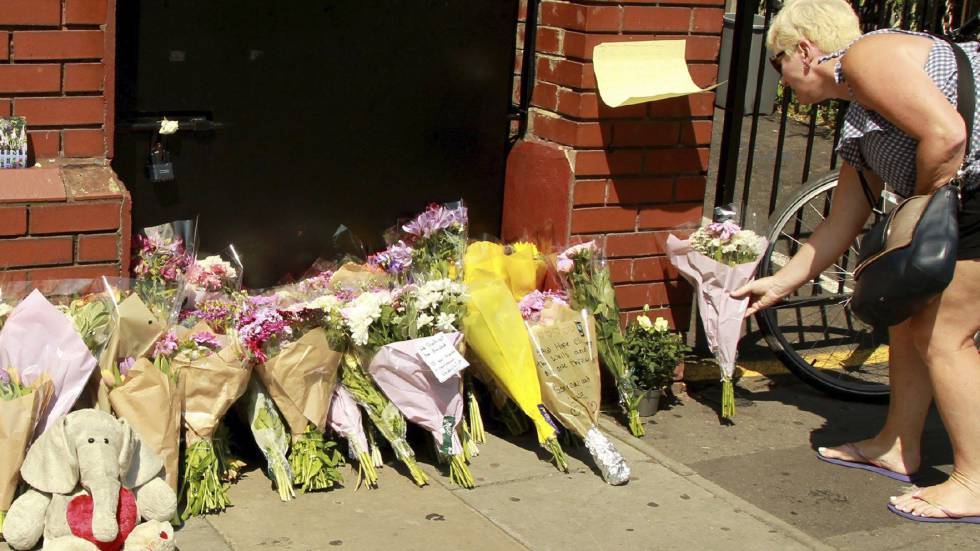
{"x": 441, "y": 356}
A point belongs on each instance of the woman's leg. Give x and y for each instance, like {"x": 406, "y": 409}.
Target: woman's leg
{"x": 943, "y": 335}
{"x": 897, "y": 445}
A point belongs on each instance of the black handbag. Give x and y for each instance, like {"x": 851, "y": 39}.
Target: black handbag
{"x": 909, "y": 256}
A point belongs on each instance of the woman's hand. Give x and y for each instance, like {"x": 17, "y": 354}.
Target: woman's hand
{"x": 762, "y": 293}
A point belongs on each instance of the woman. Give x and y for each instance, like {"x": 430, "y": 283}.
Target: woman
{"x": 902, "y": 128}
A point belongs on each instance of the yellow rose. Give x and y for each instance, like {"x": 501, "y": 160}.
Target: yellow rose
{"x": 644, "y": 322}
{"x": 661, "y": 324}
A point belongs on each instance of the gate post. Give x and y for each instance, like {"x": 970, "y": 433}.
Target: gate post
{"x": 624, "y": 176}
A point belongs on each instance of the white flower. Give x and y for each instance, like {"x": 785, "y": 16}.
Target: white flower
{"x": 644, "y": 322}
{"x": 324, "y": 302}
{"x": 445, "y": 322}
{"x": 362, "y": 312}
{"x": 5, "y": 309}
{"x": 423, "y": 320}
{"x": 661, "y": 325}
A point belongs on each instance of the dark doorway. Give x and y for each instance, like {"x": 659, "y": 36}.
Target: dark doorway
{"x": 311, "y": 114}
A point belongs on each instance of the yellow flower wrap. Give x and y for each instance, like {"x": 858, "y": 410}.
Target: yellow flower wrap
{"x": 522, "y": 270}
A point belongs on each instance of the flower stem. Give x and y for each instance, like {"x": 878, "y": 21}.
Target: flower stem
{"x": 459, "y": 473}
{"x": 202, "y": 486}
{"x": 557, "y": 454}
{"x": 476, "y": 420}
{"x": 314, "y": 462}
{"x": 727, "y": 399}
{"x": 365, "y": 471}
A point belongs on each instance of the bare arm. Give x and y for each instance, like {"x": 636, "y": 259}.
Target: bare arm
{"x": 848, "y": 213}
{"x": 886, "y": 76}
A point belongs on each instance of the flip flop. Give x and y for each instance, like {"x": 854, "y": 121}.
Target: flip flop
{"x": 949, "y": 518}
{"x": 865, "y": 465}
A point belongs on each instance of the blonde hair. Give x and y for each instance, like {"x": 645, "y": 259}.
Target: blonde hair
{"x": 830, "y": 24}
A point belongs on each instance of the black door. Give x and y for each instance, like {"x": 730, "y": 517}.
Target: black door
{"x": 313, "y": 113}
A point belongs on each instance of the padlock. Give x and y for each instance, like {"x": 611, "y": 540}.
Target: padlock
{"x": 160, "y": 167}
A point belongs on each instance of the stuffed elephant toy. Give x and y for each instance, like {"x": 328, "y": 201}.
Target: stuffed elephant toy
{"x": 90, "y": 481}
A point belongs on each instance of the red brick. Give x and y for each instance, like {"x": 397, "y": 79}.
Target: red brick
{"x": 13, "y": 221}
{"x": 699, "y": 48}
{"x": 31, "y": 12}
{"x": 30, "y": 78}
{"x": 656, "y": 268}
{"x": 60, "y": 111}
{"x": 515, "y": 95}
{"x": 699, "y": 2}
{"x": 32, "y": 185}
{"x": 522, "y": 10}
{"x": 84, "y": 143}
{"x": 644, "y": 191}
{"x": 29, "y": 45}
{"x": 4, "y": 46}
{"x": 620, "y": 271}
{"x": 603, "y": 219}
{"x": 5, "y": 106}
{"x": 520, "y": 36}
{"x": 549, "y": 40}
{"x": 586, "y": 105}
{"x": 603, "y": 18}
{"x": 690, "y": 189}
{"x": 44, "y": 144}
{"x": 568, "y": 132}
{"x": 85, "y": 12}
{"x": 545, "y": 96}
{"x": 677, "y": 215}
{"x": 636, "y": 296}
{"x": 645, "y": 133}
{"x": 590, "y": 192}
{"x": 93, "y": 248}
{"x": 667, "y": 161}
{"x": 703, "y": 74}
{"x": 566, "y": 72}
{"x": 638, "y": 244}
{"x": 656, "y": 19}
{"x": 608, "y": 162}
{"x": 696, "y": 133}
{"x": 84, "y": 77}
{"x": 35, "y": 251}
{"x": 696, "y": 105}
{"x": 707, "y": 20}
{"x": 562, "y": 14}
{"x": 89, "y": 271}
{"x": 74, "y": 217}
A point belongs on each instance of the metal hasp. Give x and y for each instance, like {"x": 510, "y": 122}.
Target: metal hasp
{"x": 738, "y": 79}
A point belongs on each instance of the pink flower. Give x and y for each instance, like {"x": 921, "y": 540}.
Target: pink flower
{"x": 532, "y": 304}
{"x": 564, "y": 264}
{"x": 723, "y": 230}
{"x": 167, "y": 345}
{"x": 206, "y": 339}
{"x": 126, "y": 364}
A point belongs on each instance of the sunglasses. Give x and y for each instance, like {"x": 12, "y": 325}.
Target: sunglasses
{"x": 776, "y": 62}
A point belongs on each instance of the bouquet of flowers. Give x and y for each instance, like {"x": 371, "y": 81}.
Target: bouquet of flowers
{"x": 419, "y": 370}
{"x": 163, "y": 255}
{"x": 211, "y": 368}
{"x": 297, "y": 363}
{"x": 40, "y": 340}
{"x": 271, "y": 436}
{"x": 717, "y": 260}
{"x": 653, "y": 350}
{"x": 20, "y": 409}
{"x": 567, "y": 359}
{"x": 437, "y": 238}
{"x": 345, "y": 419}
{"x": 587, "y": 279}
{"x": 496, "y": 333}
{"x": 214, "y": 276}
{"x": 371, "y": 319}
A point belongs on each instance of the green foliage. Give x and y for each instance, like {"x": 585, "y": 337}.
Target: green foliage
{"x": 653, "y": 354}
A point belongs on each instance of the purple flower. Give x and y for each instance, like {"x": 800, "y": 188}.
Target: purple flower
{"x": 206, "y": 339}
{"x": 167, "y": 345}
{"x": 396, "y": 259}
{"x": 723, "y": 230}
{"x": 125, "y": 365}
{"x": 4, "y": 377}
{"x": 434, "y": 219}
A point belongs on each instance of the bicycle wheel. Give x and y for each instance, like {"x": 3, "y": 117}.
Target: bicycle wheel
{"x": 812, "y": 331}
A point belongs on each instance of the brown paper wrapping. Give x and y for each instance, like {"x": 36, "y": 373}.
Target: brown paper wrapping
{"x": 17, "y": 420}
{"x": 301, "y": 379}
{"x": 137, "y": 331}
{"x": 211, "y": 386}
{"x": 568, "y": 367}
{"x": 357, "y": 276}
{"x": 150, "y": 401}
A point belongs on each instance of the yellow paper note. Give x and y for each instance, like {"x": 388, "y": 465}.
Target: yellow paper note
{"x": 635, "y": 72}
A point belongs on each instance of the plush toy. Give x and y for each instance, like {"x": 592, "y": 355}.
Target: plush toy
{"x": 91, "y": 480}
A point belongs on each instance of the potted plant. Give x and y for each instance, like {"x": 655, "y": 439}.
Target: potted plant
{"x": 653, "y": 351}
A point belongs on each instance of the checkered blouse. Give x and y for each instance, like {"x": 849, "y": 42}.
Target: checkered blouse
{"x": 869, "y": 141}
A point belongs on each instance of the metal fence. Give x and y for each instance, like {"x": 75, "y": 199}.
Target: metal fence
{"x": 752, "y": 169}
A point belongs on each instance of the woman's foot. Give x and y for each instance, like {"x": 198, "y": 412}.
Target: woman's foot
{"x": 958, "y": 497}
{"x": 891, "y": 456}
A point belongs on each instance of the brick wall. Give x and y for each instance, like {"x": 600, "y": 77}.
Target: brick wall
{"x": 624, "y": 176}
{"x": 69, "y": 216}
{"x": 54, "y": 60}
